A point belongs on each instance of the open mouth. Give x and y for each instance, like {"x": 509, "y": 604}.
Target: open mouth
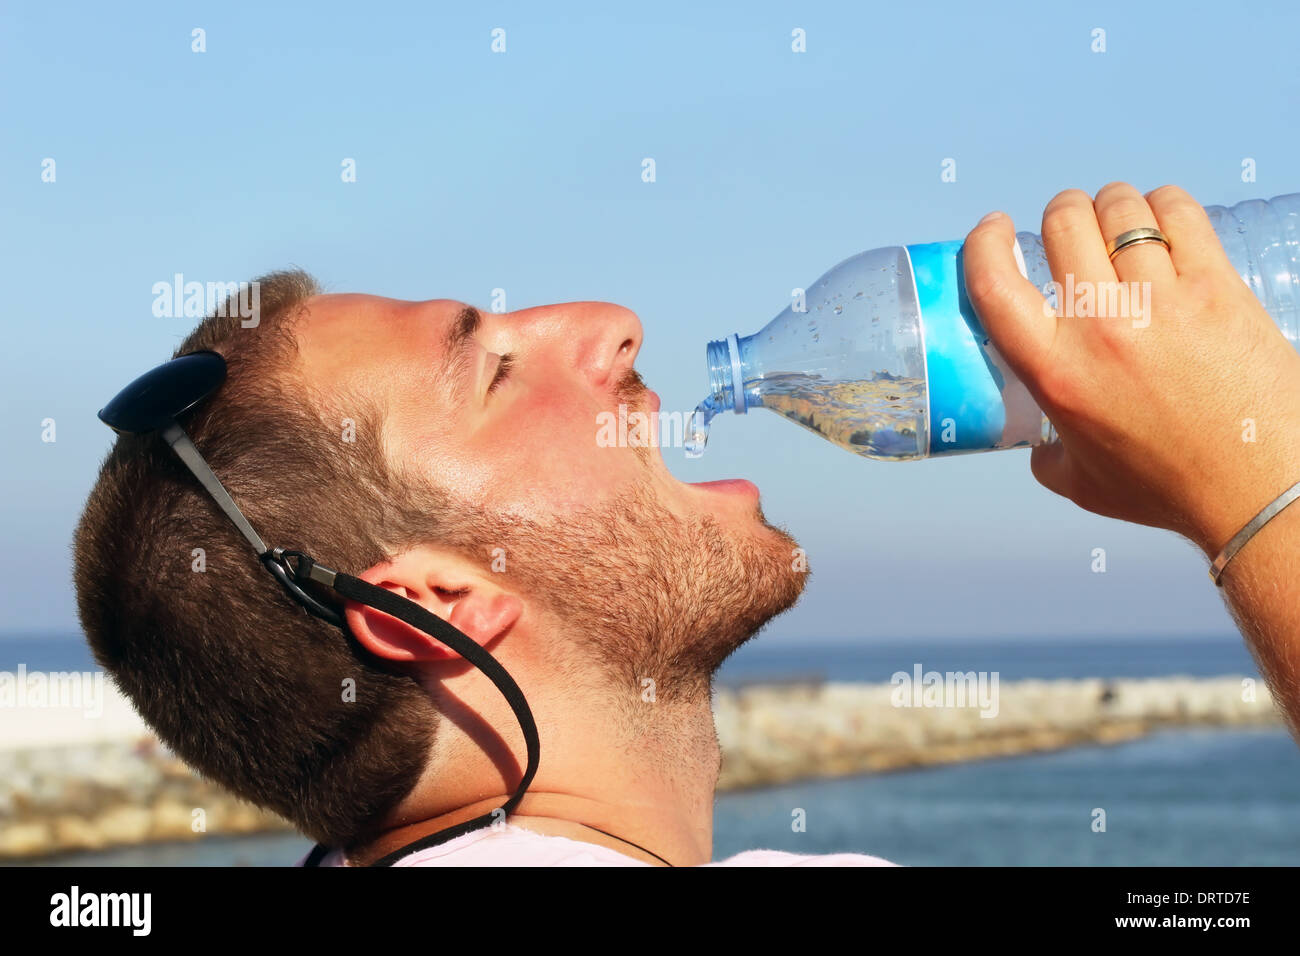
{"x": 646, "y": 400}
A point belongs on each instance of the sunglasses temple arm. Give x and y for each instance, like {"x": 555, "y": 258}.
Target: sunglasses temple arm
{"x": 175, "y": 436}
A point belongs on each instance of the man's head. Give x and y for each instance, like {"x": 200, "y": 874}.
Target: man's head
{"x": 455, "y": 458}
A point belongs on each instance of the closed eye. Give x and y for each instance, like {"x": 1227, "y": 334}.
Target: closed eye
{"x": 502, "y": 373}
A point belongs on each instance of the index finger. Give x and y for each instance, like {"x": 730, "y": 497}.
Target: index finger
{"x": 1009, "y": 306}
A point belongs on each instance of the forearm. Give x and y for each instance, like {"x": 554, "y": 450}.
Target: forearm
{"x": 1261, "y": 582}
{"x": 1262, "y": 589}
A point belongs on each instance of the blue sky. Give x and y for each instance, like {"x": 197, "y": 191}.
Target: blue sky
{"x": 521, "y": 171}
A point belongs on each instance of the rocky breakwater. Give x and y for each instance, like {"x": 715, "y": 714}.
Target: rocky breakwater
{"x": 68, "y": 783}
{"x": 778, "y": 733}
{"x": 108, "y": 793}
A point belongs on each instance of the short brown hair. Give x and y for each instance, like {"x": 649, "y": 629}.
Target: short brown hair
{"x": 234, "y": 677}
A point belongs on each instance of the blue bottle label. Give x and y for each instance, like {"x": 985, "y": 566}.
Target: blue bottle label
{"x": 965, "y": 387}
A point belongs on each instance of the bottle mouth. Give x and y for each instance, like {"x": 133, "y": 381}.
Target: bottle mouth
{"x": 726, "y": 383}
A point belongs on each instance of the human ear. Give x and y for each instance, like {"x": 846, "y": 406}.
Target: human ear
{"x": 446, "y": 587}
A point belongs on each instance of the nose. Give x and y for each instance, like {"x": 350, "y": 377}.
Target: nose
{"x": 602, "y": 339}
{"x": 616, "y": 340}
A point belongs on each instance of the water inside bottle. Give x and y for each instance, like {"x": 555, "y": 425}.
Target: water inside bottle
{"x": 881, "y": 417}
{"x": 884, "y": 417}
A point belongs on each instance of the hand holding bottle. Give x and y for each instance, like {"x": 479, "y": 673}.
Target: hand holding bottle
{"x": 1184, "y": 416}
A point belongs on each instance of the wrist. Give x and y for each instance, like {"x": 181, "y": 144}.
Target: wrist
{"x": 1254, "y": 527}
{"x": 1228, "y": 506}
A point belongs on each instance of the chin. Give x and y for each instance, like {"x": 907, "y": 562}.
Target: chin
{"x": 776, "y": 572}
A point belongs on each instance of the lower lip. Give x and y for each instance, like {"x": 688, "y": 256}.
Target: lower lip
{"x": 730, "y": 486}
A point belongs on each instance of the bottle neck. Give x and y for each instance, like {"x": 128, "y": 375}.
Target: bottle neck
{"x": 728, "y": 372}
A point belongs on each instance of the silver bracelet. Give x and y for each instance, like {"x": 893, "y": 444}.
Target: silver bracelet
{"x": 1245, "y": 534}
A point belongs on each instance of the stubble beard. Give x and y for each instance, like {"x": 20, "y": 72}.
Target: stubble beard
{"x": 653, "y": 601}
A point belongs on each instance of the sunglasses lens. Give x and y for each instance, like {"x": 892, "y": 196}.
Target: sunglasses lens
{"x": 160, "y": 395}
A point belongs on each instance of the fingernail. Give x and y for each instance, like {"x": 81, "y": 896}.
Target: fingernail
{"x": 991, "y": 217}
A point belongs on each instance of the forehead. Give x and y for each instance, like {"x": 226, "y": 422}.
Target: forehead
{"x": 348, "y": 340}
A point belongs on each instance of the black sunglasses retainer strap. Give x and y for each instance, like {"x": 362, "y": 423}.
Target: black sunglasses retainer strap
{"x": 303, "y": 568}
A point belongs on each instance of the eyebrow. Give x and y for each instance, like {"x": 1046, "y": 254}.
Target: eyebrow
{"x": 460, "y": 335}
{"x": 463, "y": 328}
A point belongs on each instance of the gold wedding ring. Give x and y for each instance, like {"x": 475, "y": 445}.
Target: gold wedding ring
{"x": 1135, "y": 237}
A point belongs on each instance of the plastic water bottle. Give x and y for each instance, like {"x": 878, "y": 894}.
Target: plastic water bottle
{"x": 885, "y": 357}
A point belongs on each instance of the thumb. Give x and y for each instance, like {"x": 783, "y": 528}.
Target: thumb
{"x": 1013, "y": 312}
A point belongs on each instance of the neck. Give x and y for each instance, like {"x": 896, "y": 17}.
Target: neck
{"x": 646, "y": 779}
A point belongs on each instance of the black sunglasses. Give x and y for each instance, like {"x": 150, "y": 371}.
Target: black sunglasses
{"x": 154, "y": 402}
